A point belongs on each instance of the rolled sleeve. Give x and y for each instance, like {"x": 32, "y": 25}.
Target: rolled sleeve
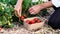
{"x": 56, "y": 3}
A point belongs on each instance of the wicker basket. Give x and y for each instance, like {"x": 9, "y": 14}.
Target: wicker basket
{"x": 35, "y": 26}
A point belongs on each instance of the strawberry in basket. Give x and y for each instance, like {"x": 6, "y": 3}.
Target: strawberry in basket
{"x": 33, "y": 23}
{"x": 35, "y": 20}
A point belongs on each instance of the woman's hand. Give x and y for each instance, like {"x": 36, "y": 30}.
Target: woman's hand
{"x": 18, "y": 10}
{"x": 34, "y": 9}
{"x": 37, "y": 8}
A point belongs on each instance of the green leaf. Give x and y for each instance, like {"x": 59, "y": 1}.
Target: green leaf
{"x": 4, "y": 20}
{"x": 7, "y": 9}
{"x": 11, "y": 25}
{"x": 26, "y": 4}
{"x": 13, "y": 2}
{"x": 0, "y": 23}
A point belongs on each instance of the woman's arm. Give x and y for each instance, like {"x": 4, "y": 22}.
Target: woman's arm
{"x": 19, "y": 2}
{"x": 46, "y": 5}
{"x": 37, "y": 8}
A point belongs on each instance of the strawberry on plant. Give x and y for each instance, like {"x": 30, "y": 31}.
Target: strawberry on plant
{"x": 22, "y": 18}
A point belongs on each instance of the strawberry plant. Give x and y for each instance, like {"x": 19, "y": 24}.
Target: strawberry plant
{"x": 6, "y": 12}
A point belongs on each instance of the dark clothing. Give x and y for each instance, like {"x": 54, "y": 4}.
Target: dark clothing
{"x": 54, "y": 20}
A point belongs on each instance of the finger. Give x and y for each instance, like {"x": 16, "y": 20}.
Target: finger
{"x": 32, "y": 12}
{"x": 30, "y": 9}
{"x": 20, "y": 13}
{"x": 36, "y": 12}
{"x": 16, "y": 13}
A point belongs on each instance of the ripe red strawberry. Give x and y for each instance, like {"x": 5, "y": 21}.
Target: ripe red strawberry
{"x": 22, "y": 18}
{"x": 38, "y": 21}
{"x": 32, "y": 21}
{"x": 28, "y": 21}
